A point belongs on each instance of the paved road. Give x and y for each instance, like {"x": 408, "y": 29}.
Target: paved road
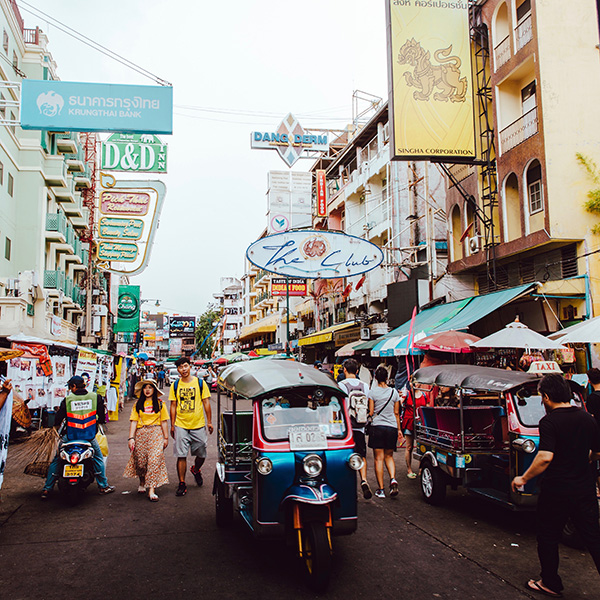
{"x": 122, "y": 546}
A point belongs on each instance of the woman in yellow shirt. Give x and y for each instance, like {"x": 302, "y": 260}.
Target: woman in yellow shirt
{"x": 148, "y": 438}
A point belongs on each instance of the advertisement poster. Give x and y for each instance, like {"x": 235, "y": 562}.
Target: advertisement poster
{"x": 128, "y": 311}
{"x": 431, "y": 89}
{"x": 87, "y": 364}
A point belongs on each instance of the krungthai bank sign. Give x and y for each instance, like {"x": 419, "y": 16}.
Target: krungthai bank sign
{"x": 74, "y": 106}
{"x": 290, "y": 140}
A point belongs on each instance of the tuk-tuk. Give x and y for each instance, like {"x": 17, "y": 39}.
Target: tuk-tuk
{"x": 479, "y": 430}
{"x": 287, "y": 463}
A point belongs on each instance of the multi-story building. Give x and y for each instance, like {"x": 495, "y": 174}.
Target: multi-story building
{"x": 44, "y": 241}
{"x": 230, "y": 305}
{"x": 538, "y": 66}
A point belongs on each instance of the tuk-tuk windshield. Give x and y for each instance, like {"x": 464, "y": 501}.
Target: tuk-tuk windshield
{"x": 530, "y": 409}
{"x": 281, "y": 413}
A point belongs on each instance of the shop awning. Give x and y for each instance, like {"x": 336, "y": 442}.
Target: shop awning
{"x": 348, "y": 349}
{"x": 444, "y": 317}
{"x": 325, "y": 335}
{"x": 368, "y": 345}
{"x": 28, "y": 339}
{"x": 265, "y": 325}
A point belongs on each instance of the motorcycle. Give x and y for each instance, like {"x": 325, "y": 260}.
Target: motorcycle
{"x": 76, "y": 469}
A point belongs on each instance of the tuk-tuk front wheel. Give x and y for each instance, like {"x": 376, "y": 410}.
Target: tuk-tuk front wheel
{"x": 223, "y": 506}
{"x": 433, "y": 483}
{"x": 316, "y": 554}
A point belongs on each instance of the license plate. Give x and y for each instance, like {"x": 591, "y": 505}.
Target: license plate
{"x": 307, "y": 437}
{"x": 73, "y": 471}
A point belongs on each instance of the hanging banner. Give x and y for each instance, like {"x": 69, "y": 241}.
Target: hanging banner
{"x": 77, "y": 106}
{"x": 134, "y": 152}
{"x": 321, "y": 193}
{"x": 314, "y": 254}
{"x": 431, "y": 92}
{"x": 128, "y": 312}
{"x": 87, "y": 363}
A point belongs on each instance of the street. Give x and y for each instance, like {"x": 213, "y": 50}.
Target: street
{"x": 122, "y": 546}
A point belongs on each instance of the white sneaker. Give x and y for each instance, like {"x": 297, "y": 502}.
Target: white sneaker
{"x": 379, "y": 494}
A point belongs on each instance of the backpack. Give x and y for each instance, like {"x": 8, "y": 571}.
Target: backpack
{"x": 358, "y": 404}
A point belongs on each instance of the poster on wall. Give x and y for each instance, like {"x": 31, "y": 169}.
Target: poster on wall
{"x": 430, "y": 84}
{"x": 87, "y": 364}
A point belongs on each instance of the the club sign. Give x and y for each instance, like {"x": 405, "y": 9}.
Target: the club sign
{"x": 314, "y": 254}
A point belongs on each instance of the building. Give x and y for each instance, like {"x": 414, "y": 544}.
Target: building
{"x": 229, "y": 305}
{"x": 44, "y": 222}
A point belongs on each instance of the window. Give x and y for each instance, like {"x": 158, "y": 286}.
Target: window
{"x": 1, "y": 173}
{"x": 534, "y": 187}
{"x": 11, "y": 185}
{"x": 528, "y": 97}
{"x": 523, "y": 10}
{"x": 15, "y": 60}
{"x": 7, "y": 248}
{"x": 5, "y": 41}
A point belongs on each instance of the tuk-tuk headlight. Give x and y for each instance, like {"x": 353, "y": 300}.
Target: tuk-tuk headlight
{"x": 526, "y": 445}
{"x": 264, "y": 466}
{"x": 356, "y": 462}
{"x": 313, "y": 465}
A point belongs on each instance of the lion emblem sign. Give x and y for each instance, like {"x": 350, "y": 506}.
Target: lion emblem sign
{"x": 426, "y": 77}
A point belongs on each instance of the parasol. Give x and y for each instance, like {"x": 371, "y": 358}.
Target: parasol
{"x": 586, "y": 332}
{"x": 518, "y": 335}
{"x": 454, "y": 341}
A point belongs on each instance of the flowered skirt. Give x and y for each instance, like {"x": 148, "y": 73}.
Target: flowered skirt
{"x": 147, "y": 460}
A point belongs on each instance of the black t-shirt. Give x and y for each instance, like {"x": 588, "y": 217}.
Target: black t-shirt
{"x": 593, "y": 405}
{"x": 570, "y": 433}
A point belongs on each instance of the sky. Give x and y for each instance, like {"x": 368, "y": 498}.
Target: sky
{"x": 236, "y": 66}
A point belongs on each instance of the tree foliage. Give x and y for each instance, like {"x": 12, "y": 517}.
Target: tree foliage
{"x": 204, "y": 326}
{"x": 592, "y": 204}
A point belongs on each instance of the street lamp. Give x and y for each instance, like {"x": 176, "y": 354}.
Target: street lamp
{"x": 143, "y": 301}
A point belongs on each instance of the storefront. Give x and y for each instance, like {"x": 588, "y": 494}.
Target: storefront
{"x": 322, "y": 345}
{"x": 259, "y": 334}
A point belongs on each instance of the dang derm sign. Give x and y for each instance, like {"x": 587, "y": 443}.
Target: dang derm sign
{"x": 72, "y": 106}
{"x": 314, "y": 254}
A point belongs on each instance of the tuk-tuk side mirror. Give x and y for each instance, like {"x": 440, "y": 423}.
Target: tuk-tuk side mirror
{"x": 522, "y": 396}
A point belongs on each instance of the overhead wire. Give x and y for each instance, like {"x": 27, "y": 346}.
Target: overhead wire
{"x": 91, "y": 43}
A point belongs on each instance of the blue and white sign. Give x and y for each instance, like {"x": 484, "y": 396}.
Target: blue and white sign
{"x": 314, "y": 254}
{"x": 73, "y": 106}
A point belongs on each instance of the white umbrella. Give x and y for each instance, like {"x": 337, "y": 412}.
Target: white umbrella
{"x": 586, "y": 332}
{"x": 518, "y": 335}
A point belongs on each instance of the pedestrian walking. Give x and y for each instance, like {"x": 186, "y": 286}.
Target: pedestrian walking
{"x": 384, "y": 408}
{"x": 160, "y": 378}
{"x": 358, "y": 407}
{"x": 191, "y": 416}
{"x": 569, "y": 439}
{"x": 148, "y": 439}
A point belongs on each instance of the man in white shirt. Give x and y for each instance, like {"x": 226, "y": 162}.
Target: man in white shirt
{"x": 357, "y": 392}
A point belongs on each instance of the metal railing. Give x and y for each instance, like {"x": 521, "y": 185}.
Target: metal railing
{"x": 56, "y": 222}
{"x": 31, "y": 36}
{"x": 524, "y": 32}
{"x": 518, "y": 131}
{"x": 502, "y": 53}
{"x": 54, "y": 280}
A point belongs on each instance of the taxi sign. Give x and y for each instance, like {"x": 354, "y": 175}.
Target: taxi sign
{"x": 544, "y": 366}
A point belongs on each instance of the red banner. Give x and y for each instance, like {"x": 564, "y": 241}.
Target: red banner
{"x": 38, "y": 351}
{"x": 297, "y": 287}
{"x": 321, "y": 194}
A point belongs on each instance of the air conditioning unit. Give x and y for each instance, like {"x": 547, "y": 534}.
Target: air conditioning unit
{"x": 473, "y": 245}
{"x": 12, "y": 285}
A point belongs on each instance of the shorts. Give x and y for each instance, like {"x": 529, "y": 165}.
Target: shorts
{"x": 360, "y": 442}
{"x": 383, "y": 437}
{"x": 408, "y": 431}
{"x": 187, "y": 440}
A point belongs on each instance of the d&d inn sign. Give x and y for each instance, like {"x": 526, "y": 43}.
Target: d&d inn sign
{"x": 314, "y": 254}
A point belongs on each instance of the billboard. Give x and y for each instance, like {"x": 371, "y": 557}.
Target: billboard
{"x": 77, "y": 106}
{"x": 182, "y": 326}
{"x": 128, "y": 313}
{"x": 289, "y": 200}
{"x": 290, "y": 140}
{"x": 321, "y": 193}
{"x": 430, "y": 83}
{"x": 134, "y": 152}
{"x": 297, "y": 287}
{"x": 314, "y": 254}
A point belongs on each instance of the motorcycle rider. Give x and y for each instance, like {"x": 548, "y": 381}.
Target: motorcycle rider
{"x": 81, "y": 422}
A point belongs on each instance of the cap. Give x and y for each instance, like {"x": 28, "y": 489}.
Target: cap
{"x": 76, "y": 381}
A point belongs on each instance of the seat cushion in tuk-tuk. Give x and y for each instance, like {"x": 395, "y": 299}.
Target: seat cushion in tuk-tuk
{"x": 244, "y": 427}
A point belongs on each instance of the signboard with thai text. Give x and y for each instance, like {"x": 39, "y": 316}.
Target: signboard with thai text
{"x": 135, "y": 153}
{"x": 297, "y": 287}
{"x": 314, "y": 254}
{"x": 431, "y": 91}
{"x": 76, "y": 106}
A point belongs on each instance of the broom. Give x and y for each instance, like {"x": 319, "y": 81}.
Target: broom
{"x": 36, "y": 453}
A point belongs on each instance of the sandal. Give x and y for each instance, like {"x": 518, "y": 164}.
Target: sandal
{"x": 153, "y": 497}
{"x": 411, "y": 475}
{"x": 536, "y": 586}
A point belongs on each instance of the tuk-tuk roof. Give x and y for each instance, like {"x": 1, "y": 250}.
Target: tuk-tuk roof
{"x": 473, "y": 377}
{"x": 255, "y": 378}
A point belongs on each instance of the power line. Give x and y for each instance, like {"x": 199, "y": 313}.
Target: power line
{"x": 92, "y": 44}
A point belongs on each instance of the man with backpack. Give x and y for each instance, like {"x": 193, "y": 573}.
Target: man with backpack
{"x": 358, "y": 407}
{"x": 190, "y": 417}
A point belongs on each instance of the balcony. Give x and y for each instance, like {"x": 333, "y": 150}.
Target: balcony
{"x": 65, "y": 193}
{"x": 75, "y": 161}
{"x": 54, "y": 280}
{"x": 75, "y": 207}
{"x": 518, "y": 131}
{"x": 502, "y": 53}
{"x": 83, "y": 221}
{"x": 55, "y": 171}
{"x": 83, "y": 179}
{"x": 66, "y": 143}
{"x": 77, "y": 296}
{"x": 524, "y": 32}
{"x": 56, "y": 227}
